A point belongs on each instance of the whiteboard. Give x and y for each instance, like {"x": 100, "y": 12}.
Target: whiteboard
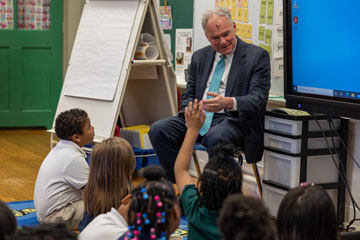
{"x": 200, "y": 6}
{"x": 100, "y": 47}
{"x": 103, "y": 114}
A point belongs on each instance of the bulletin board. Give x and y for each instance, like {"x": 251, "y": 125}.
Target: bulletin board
{"x": 252, "y": 17}
{"x": 182, "y": 17}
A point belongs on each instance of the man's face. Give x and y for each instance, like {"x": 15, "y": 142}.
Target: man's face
{"x": 221, "y": 34}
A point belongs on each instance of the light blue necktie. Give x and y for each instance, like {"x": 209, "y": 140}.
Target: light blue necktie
{"x": 214, "y": 87}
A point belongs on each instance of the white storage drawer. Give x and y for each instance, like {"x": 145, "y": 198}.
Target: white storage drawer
{"x": 272, "y": 198}
{"x": 294, "y": 145}
{"x": 285, "y": 169}
{"x": 294, "y": 127}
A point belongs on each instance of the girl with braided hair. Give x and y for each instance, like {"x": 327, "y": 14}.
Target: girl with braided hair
{"x": 221, "y": 177}
{"x": 154, "y": 211}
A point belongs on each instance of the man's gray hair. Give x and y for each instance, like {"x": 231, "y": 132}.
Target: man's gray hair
{"x": 218, "y": 12}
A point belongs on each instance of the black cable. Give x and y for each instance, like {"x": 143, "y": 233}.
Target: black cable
{"x": 340, "y": 168}
{"x": 333, "y": 129}
{"x": 342, "y": 142}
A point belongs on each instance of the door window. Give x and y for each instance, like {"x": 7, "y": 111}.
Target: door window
{"x": 31, "y": 14}
{"x": 6, "y": 14}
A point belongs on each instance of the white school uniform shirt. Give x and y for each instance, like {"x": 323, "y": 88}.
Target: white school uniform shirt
{"x": 60, "y": 178}
{"x": 107, "y": 226}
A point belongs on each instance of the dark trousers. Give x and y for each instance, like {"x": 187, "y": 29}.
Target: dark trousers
{"x": 167, "y": 136}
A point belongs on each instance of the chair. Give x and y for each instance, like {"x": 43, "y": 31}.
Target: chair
{"x": 199, "y": 147}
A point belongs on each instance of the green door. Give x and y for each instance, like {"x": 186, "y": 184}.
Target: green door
{"x": 30, "y": 61}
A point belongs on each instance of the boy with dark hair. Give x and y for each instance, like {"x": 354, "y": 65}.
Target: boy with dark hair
{"x": 64, "y": 172}
{"x": 245, "y": 218}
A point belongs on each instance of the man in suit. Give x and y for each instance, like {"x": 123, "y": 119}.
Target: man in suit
{"x": 238, "y": 105}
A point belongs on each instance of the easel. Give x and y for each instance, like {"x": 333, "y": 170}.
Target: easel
{"x": 146, "y": 89}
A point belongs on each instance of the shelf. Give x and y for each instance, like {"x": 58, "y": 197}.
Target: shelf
{"x": 148, "y": 62}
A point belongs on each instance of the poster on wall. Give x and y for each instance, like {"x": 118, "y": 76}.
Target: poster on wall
{"x": 183, "y": 52}
{"x": 165, "y": 17}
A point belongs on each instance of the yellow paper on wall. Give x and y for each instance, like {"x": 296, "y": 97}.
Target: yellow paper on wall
{"x": 222, "y": 3}
{"x": 242, "y": 31}
{"x": 268, "y": 33}
{"x": 249, "y": 41}
{"x": 233, "y": 3}
{"x": 269, "y": 17}
{"x": 239, "y": 14}
{"x": 248, "y": 31}
{"x": 261, "y": 33}
{"x": 245, "y": 3}
{"x": 228, "y": 2}
{"x": 262, "y": 14}
{"x": 240, "y": 3}
{"x": 233, "y": 13}
{"x": 238, "y": 29}
{"x": 246, "y": 15}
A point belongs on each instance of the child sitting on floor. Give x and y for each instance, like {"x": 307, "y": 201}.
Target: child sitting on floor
{"x": 112, "y": 166}
{"x": 154, "y": 211}
{"x": 307, "y": 212}
{"x": 246, "y": 218}
{"x": 64, "y": 172}
{"x": 221, "y": 177}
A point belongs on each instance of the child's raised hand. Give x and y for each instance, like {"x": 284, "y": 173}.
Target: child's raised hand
{"x": 194, "y": 115}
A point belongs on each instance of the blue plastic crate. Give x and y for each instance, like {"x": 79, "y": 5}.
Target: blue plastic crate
{"x": 139, "y": 153}
{"x": 144, "y": 157}
{"x": 151, "y": 158}
{"x": 88, "y": 153}
{"x": 147, "y": 156}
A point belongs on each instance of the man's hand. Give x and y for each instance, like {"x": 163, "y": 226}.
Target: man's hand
{"x": 217, "y": 103}
{"x": 194, "y": 116}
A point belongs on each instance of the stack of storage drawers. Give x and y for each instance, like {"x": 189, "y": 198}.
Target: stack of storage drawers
{"x": 295, "y": 152}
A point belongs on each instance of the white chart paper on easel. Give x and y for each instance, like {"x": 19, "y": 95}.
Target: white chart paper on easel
{"x": 95, "y": 67}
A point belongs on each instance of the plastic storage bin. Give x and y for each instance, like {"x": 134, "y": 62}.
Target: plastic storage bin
{"x": 285, "y": 169}
{"x": 272, "y": 198}
{"x": 294, "y": 145}
{"x": 145, "y": 157}
{"x": 294, "y": 127}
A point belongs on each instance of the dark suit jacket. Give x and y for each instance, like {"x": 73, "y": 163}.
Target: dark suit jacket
{"x": 248, "y": 82}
